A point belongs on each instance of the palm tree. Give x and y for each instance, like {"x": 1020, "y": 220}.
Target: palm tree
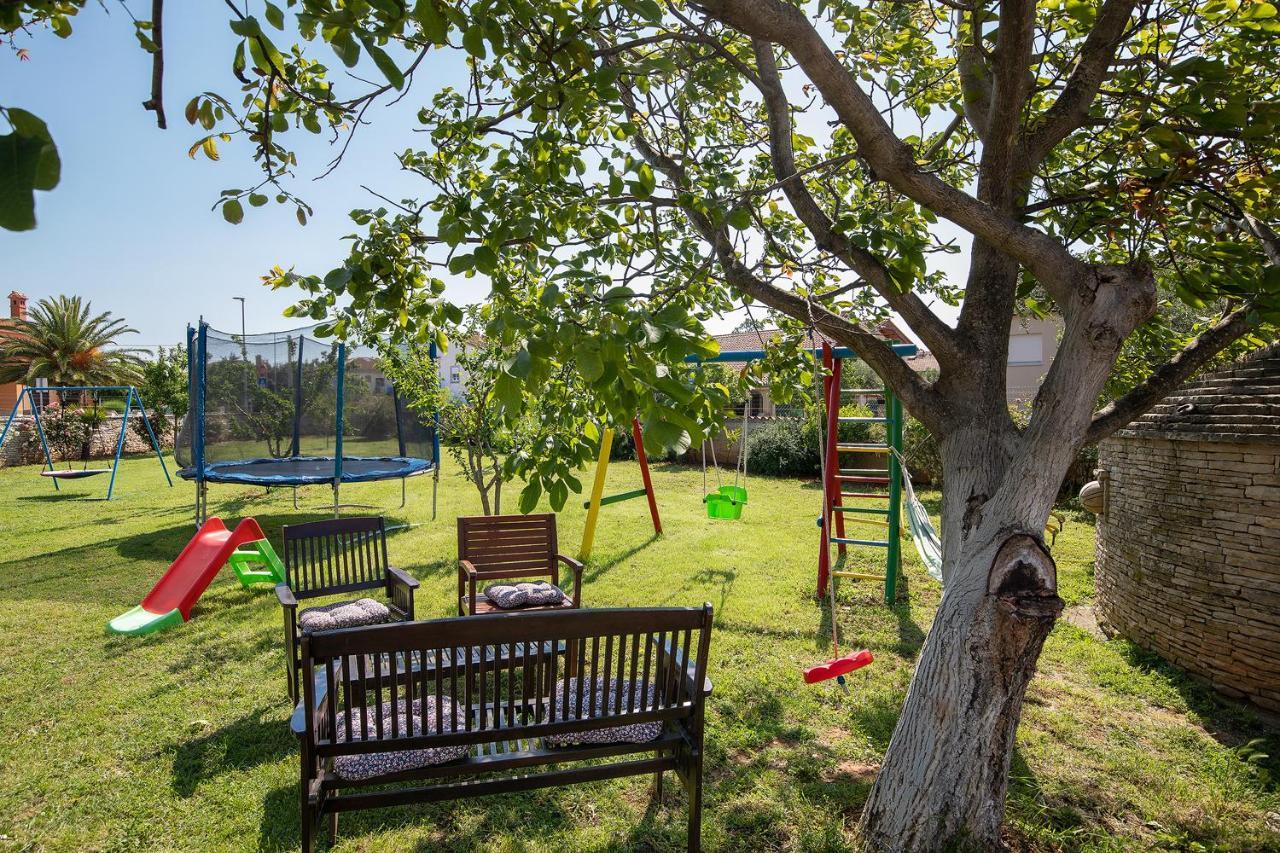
{"x": 64, "y": 344}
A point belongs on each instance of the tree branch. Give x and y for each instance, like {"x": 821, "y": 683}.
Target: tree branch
{"x": 1166, "y": 378}
{"x": 156, "y": 102}
{"x": 935, "y": 333}
{"x": 1071, "y": 108}
{"x": 891, "y": 159}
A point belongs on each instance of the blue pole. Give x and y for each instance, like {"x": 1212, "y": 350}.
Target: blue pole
{"x": 342, "y": 374}
{"x": 198, "y": 386}
{"x": 296, "y": 450}
{"x": 435, "y": 417}
{"x": 35, "y": 412}
{"x": 13, "y": 414}
{"x": 154, "y": 442}
{"x": 124, "y": 428}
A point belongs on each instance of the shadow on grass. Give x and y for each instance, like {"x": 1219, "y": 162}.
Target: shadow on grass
{"x": 256, "y": 738}
{"x": 725, "y": 577}
{"x": 1229, "y": 722}
{"x": 593, "y": 570}
{"x": 461, "y": 825}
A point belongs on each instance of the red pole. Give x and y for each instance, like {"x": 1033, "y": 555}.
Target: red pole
{"x": 833, "y": 454}
{"x": 643, "y": 459}
{"x": 824, "y": 554}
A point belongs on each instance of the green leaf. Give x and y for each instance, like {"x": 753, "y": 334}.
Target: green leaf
{"x": 473, "y": 41}
{"x": 433, "y": 23}
{"x": 740, "y": 218}
{"x": 520, "y": 364}
{"x": 247, "y": 27}
{"x": 646, "y": 183}
{"x": 530, "y": 495}
{"x": 274, "y": 15}
{"x": 460, "y": 264}
{"x": 257, "y": 199}
{"x": 385, "y": 63}
{"x": 347, "y": 49}
{"x": 28, "y": 162}
{"x": 486, "y": 259}
{"x": 587, "y": 354}
{"x": 232, "y": 211}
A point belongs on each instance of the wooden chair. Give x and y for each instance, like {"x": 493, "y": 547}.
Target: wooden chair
{"x": 332, "y": 557}
{"x": 509, "y": 547}
{"x": 395, "y": 715}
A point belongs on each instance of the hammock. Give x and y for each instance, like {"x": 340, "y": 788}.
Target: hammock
{"x": 928, "y": 543}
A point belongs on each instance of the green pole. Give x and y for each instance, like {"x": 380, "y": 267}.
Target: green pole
{"x": 893, "y": 413}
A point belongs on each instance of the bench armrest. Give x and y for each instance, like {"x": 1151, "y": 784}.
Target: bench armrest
{"x": 298, "y": 720}
{"x": 468, "y": 574}
{"x": 400, "y": 587}
{"x": 576, "y": 567}
{"x": 670, "y": 650}
{"x": 285, "y": 595}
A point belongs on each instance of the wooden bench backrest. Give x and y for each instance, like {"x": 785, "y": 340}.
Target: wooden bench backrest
{"x": 335, "y": 555}
{"x": 663, "y": 646}
{"x": 509, "y": 546}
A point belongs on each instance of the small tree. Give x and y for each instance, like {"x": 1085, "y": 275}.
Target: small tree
{"x": 165, "y": 388}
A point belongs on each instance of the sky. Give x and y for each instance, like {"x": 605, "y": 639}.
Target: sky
{"x": 130, "y": 227}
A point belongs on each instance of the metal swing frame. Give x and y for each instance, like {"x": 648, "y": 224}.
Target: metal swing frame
{"x": 132, "y": 397}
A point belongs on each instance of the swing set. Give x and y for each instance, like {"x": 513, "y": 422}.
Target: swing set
{"x": 94, "y": 420}
{"x": 600, "y": 499}
{"x": 726, "y": 501}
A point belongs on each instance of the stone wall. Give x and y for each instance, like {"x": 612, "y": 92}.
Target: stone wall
{"x": 22, "y": 445}
{"x": 1188, "y": 557}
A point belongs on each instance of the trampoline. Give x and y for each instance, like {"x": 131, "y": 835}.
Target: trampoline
{"x": 288, "y": 410}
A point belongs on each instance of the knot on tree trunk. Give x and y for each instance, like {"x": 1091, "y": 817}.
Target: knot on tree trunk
{"x": 1118, "y": 298}
{"x": 1023, "y": 583}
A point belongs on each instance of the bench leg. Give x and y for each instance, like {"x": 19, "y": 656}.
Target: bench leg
{"x": 333, "y": 821}
{"x": 657, "y": 786}
{"x": 308, "y": 824}
{"x": 695, "y": 813}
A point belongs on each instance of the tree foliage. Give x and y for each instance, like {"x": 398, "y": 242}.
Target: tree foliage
{"x": 164, "y": 387}
{"x": 65, "y": 343}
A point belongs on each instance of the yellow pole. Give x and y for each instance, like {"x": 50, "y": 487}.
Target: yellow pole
{"x": 597, "y": 490}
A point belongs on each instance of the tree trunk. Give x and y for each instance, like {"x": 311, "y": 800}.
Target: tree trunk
{"x": 945, "y": 774}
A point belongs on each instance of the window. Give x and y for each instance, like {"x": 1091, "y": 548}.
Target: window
{"x": 455, "y": 375}
{"x": 1026, "y": 349}
{"x": 380, "y": 383}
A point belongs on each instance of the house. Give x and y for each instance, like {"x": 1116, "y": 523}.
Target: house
{"x": 1033, "y": 343}
{"x": 9, "y": 391}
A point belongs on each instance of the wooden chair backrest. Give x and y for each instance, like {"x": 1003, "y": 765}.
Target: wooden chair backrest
{"x": 509, "y": 546}
{"x": 359, "y": 669}
{"x": 335, "y": 555}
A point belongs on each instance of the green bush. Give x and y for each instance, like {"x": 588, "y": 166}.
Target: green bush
{"x": 783, "y": 449}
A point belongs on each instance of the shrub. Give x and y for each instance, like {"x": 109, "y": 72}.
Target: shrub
{"x": 783, "y": 449}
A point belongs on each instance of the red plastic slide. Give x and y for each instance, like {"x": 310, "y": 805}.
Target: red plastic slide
{"x": 173, "y": 596}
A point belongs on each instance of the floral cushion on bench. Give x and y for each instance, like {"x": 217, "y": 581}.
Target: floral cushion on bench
{"x": 344, "y": 614}
{"x": 526, "y": 594}
{"x": 607, "y": 692}
{"x": 356, "y": 768}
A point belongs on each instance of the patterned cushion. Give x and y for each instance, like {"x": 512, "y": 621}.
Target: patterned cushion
{"x": 630, "y": 733}
{"x": 355, "y": 768}
{"x": 344, "y": 614}
{"x": 527, "y": 594}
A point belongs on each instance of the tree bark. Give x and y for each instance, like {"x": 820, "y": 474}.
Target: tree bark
{"x": 945, "y": 774}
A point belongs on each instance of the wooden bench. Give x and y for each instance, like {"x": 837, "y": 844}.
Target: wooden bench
{"x": 509, "y": 547}
{"x": 333, "y": 557}
{"x": 497, "y": 692}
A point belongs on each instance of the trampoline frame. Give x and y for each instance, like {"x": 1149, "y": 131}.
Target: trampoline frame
{"x": 199, "y": 471}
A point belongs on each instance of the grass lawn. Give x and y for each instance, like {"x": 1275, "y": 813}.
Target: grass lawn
{"x": 179, "y": 740}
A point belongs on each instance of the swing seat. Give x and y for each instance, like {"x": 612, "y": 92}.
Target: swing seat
{"x": 837, "y": 667}
{"x": 719, "y": 506}
{"x": 75, "y": 475}
{"x": 737, "y": 494}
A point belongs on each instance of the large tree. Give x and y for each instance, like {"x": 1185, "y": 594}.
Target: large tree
{"x": 621, "y": 171}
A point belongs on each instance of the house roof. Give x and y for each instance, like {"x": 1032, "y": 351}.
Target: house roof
{"x": 751, "y": 339}
{"x": 1240, "y": 403}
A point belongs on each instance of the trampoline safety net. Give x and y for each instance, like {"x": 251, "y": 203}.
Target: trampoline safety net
{"x": 288, "y": 407}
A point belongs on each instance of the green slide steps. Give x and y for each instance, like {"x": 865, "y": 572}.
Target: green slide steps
{"x": 138, "y": 621}
{"x": 256, "y": 564}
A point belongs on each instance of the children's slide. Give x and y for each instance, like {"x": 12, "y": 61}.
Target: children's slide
{"x": 171, "y": 599}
